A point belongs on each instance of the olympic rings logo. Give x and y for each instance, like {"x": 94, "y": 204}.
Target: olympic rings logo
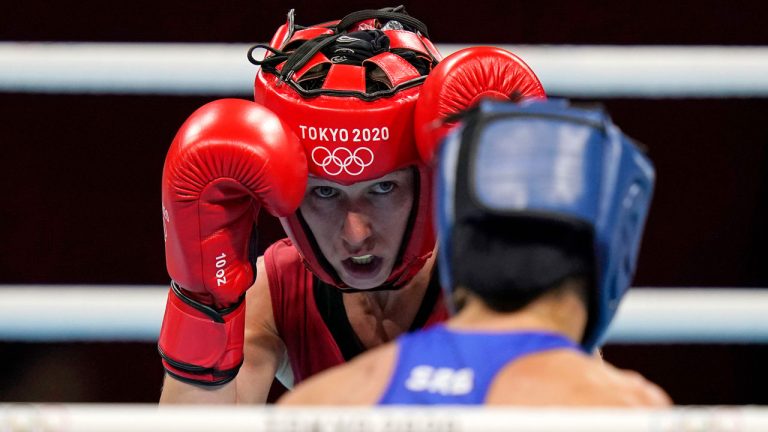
{"x": 341, "y": 159}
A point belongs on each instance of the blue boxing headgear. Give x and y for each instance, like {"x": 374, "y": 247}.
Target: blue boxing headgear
{"x": 544, "y": 170}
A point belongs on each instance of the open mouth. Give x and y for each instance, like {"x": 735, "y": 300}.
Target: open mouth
{"x": 363, "y": 259}
{"x": 363, "y": 266}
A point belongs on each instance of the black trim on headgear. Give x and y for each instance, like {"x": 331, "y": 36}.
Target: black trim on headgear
{"x": 397, "y": 13}
{"x": 294, "y": 60}
{"x": 539, "y": 249}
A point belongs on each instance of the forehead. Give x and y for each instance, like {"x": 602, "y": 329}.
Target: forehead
{"x": 400, "y": 176}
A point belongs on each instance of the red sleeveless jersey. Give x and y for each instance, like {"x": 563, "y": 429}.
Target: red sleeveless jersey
{"x": 312, "y": 344}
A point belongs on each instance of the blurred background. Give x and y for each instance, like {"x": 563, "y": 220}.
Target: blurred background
{"x": 81, "y": 172}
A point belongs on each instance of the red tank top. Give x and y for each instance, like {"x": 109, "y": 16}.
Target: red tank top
{"x": 310, "y": 317}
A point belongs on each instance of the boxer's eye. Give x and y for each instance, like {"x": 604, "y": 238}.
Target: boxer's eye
{"x": 325, "y": 192}
{"x": 384, "y": 187}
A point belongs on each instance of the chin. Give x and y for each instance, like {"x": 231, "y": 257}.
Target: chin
{"x": 364, "y": 284}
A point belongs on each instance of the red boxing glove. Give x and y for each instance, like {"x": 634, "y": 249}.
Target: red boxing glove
{"x": 230, "y": 158}
{"x": 460, "y": 81}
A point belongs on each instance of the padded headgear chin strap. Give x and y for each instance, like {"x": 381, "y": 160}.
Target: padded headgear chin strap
{"x": 546, "y": 160}
{"x": 348, "y": 89}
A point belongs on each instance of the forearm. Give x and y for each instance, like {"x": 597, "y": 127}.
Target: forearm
{"x": 251, "y": 386}
{"x": 178, "y": 392}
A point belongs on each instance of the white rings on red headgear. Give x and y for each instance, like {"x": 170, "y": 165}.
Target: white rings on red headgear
{"x": 356, "y": 121}
{"x": 342, "y": 160}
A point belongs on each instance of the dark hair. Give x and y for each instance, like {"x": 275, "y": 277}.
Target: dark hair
{"x": 510, "y": 261}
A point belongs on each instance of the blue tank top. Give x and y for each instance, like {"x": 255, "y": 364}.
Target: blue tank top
{"x": 441, "y": 366}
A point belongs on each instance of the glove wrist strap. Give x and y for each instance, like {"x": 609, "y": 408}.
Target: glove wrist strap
{"x": 200, "y": 344}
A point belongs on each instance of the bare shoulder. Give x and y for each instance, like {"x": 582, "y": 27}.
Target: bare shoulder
{"x": 565, "y": 377}
{"x": 359, "y": 382}
{"x": 629, "y": 387}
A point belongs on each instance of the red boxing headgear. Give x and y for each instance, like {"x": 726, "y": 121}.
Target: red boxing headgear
{"x": 348, "y": 89}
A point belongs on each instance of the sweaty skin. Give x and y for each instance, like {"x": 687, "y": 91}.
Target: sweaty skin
{"x": 557, "y": 377}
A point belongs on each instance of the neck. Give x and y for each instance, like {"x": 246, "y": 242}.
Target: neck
{"x": 561, "y": 311}
{"x": 380, "y": 316}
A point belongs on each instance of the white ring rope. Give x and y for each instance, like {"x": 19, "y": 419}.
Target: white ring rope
{"x": 119, "y": 418}
{"x": 222, "y": 69}
{"x": 134, "y": 313}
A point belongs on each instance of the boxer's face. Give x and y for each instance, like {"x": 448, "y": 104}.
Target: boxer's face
{"x": 359, "y": 228}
